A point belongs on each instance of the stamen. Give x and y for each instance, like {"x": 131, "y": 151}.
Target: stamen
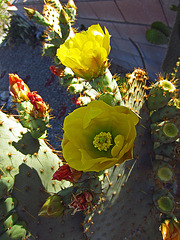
{"x": 102, "y": 141}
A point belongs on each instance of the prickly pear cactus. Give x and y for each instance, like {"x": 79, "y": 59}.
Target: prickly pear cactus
{"x": 27, "y": 166}
{"x": 91, "y": 191}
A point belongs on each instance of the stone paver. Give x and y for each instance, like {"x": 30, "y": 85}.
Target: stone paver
{"x": 106, "y": 10}
{"x": 142, "y": 12}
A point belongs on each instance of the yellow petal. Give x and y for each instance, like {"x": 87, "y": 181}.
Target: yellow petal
{"x": 119, "y": 142}
{"x": 134, "y": 117}
{"x": 90, "y": 114}
{"x": 96, "y": 30}
{"x": 86, "y": 52}
{"x": 103, "y": 164}
{"x": 127, "y": 156}
{"x": 72, "y": 155}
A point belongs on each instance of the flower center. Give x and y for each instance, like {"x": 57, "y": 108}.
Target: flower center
{"x": 102, "y": 141}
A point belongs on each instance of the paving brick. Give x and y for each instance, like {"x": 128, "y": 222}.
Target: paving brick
{"x": 84, "y": 10}
{"x": 123, "y": 64}
{"x": 143, "y": 12}
{"x": 170, "y": 15}
{"x": 139, "y": 61}
{"x": 28, "y": 1}
{"x": 156, "y": 53}
{"x": 36, "y": 5}
{"x": 106, "y": 10}
{"x": 134, "y": 31}
{"x": 123, "y": 56}
{"x": 110, "y": 27}
{"x": 125, "y": 45}
{"x": 153, "y": 69}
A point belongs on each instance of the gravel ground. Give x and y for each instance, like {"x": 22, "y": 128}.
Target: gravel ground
{"x": 33, "y": 68}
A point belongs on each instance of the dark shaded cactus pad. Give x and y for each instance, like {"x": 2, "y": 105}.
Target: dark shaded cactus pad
{"x": 126, "y": 209}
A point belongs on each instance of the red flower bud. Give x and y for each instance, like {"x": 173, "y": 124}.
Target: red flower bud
{"x": 81, "y": 202}
{"x": 76, "y": 100}
{"x": 17, "y": 88}
{"x": 170, "y": 229}
{"x": 40, "y": 108}
{"x": 66, "y": 173}
{"x": 57, "y": 71}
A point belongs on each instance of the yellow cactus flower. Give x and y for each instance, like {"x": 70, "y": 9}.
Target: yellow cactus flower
{"x": 170, "y": 230}
{"x": 98, "y": 136}
{"x": 86, "y": 53}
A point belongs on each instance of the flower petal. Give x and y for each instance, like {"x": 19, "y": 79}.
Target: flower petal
{"x": 72, "y": 155}
{"x": 119, "y": 142}
{"x": 86, "y": 52}
{"x": 83, "y": 124}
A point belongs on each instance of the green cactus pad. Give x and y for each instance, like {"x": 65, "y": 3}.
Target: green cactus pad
{"x": 20, "y": 147}
{"x": 16, "y": 232}
{"x": 161, "y": 27}
{"x": 24, "y": 109}
{"x": 168, "y": 150}
{"x": 6, "y": 207}
{"x": 49, "y": 50}
{"x": 39, "y": 127}
{"x": 108, "y": 98}
{"x": 125, "y": 185}
{"x": 36, "y": 17}
{"x": 6, "y": 183}
{"x": 136, "y": 94}
{"x": 154, "y": 36}
{"x": 106, "y": 83}
{"x": 8, "y": 223}
{"x": 160, "y": 94}
{"x": 166, "y": 131}
{"x": 31, "y": 196}
{"x": 167, "y": 112}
